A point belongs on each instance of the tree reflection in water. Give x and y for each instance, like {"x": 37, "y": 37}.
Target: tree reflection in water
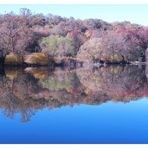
{"x": 26, "y": 91}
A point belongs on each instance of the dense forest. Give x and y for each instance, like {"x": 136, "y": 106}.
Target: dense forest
{"x": 36, "y": 38}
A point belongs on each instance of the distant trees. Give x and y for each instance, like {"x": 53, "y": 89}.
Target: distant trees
{"x": 59, "y": 36}
{"x": 30, "y": 19}
{"x": 16, "y": 33}
{"x": 137, "y": 35}
{"x": 95, "y": 24}
{"x": 9, "y": 32}
{"x": 55, "y": 19}
{"x": 114, "y": 47}
{"x": 57, "y": 46}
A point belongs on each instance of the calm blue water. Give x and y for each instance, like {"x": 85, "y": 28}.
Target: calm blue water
{"x": 100, "y": 105}
{"x": 106, "y": 123}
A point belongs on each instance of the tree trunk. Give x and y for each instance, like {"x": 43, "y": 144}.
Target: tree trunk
{"x": 2, "y": 58}
{"x": 146, "y": 55}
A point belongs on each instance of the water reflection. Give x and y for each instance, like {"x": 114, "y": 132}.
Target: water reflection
{"x": 25, "y": 91}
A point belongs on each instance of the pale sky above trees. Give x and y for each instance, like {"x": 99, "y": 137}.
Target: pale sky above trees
{"x": 110, "y": 13}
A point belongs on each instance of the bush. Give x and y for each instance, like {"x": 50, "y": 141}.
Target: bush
{"x": 57, "y": 46}
{"x": 37, "y": 58}
{"x": 13, "y": 59}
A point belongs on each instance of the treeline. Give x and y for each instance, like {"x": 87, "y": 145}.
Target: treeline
{"x": 91, "y": 40}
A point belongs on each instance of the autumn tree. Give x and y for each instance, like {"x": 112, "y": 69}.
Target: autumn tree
{"x": 17, "y": 32}
{"x": 113, "y": 47}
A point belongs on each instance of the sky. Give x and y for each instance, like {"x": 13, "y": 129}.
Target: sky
{"x": 110, "y": 13}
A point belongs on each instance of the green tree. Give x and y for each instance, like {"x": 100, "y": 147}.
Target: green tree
{"x": 55, "y": 45}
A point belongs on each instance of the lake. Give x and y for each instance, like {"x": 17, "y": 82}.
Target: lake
{"x": 101, "y": 105}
